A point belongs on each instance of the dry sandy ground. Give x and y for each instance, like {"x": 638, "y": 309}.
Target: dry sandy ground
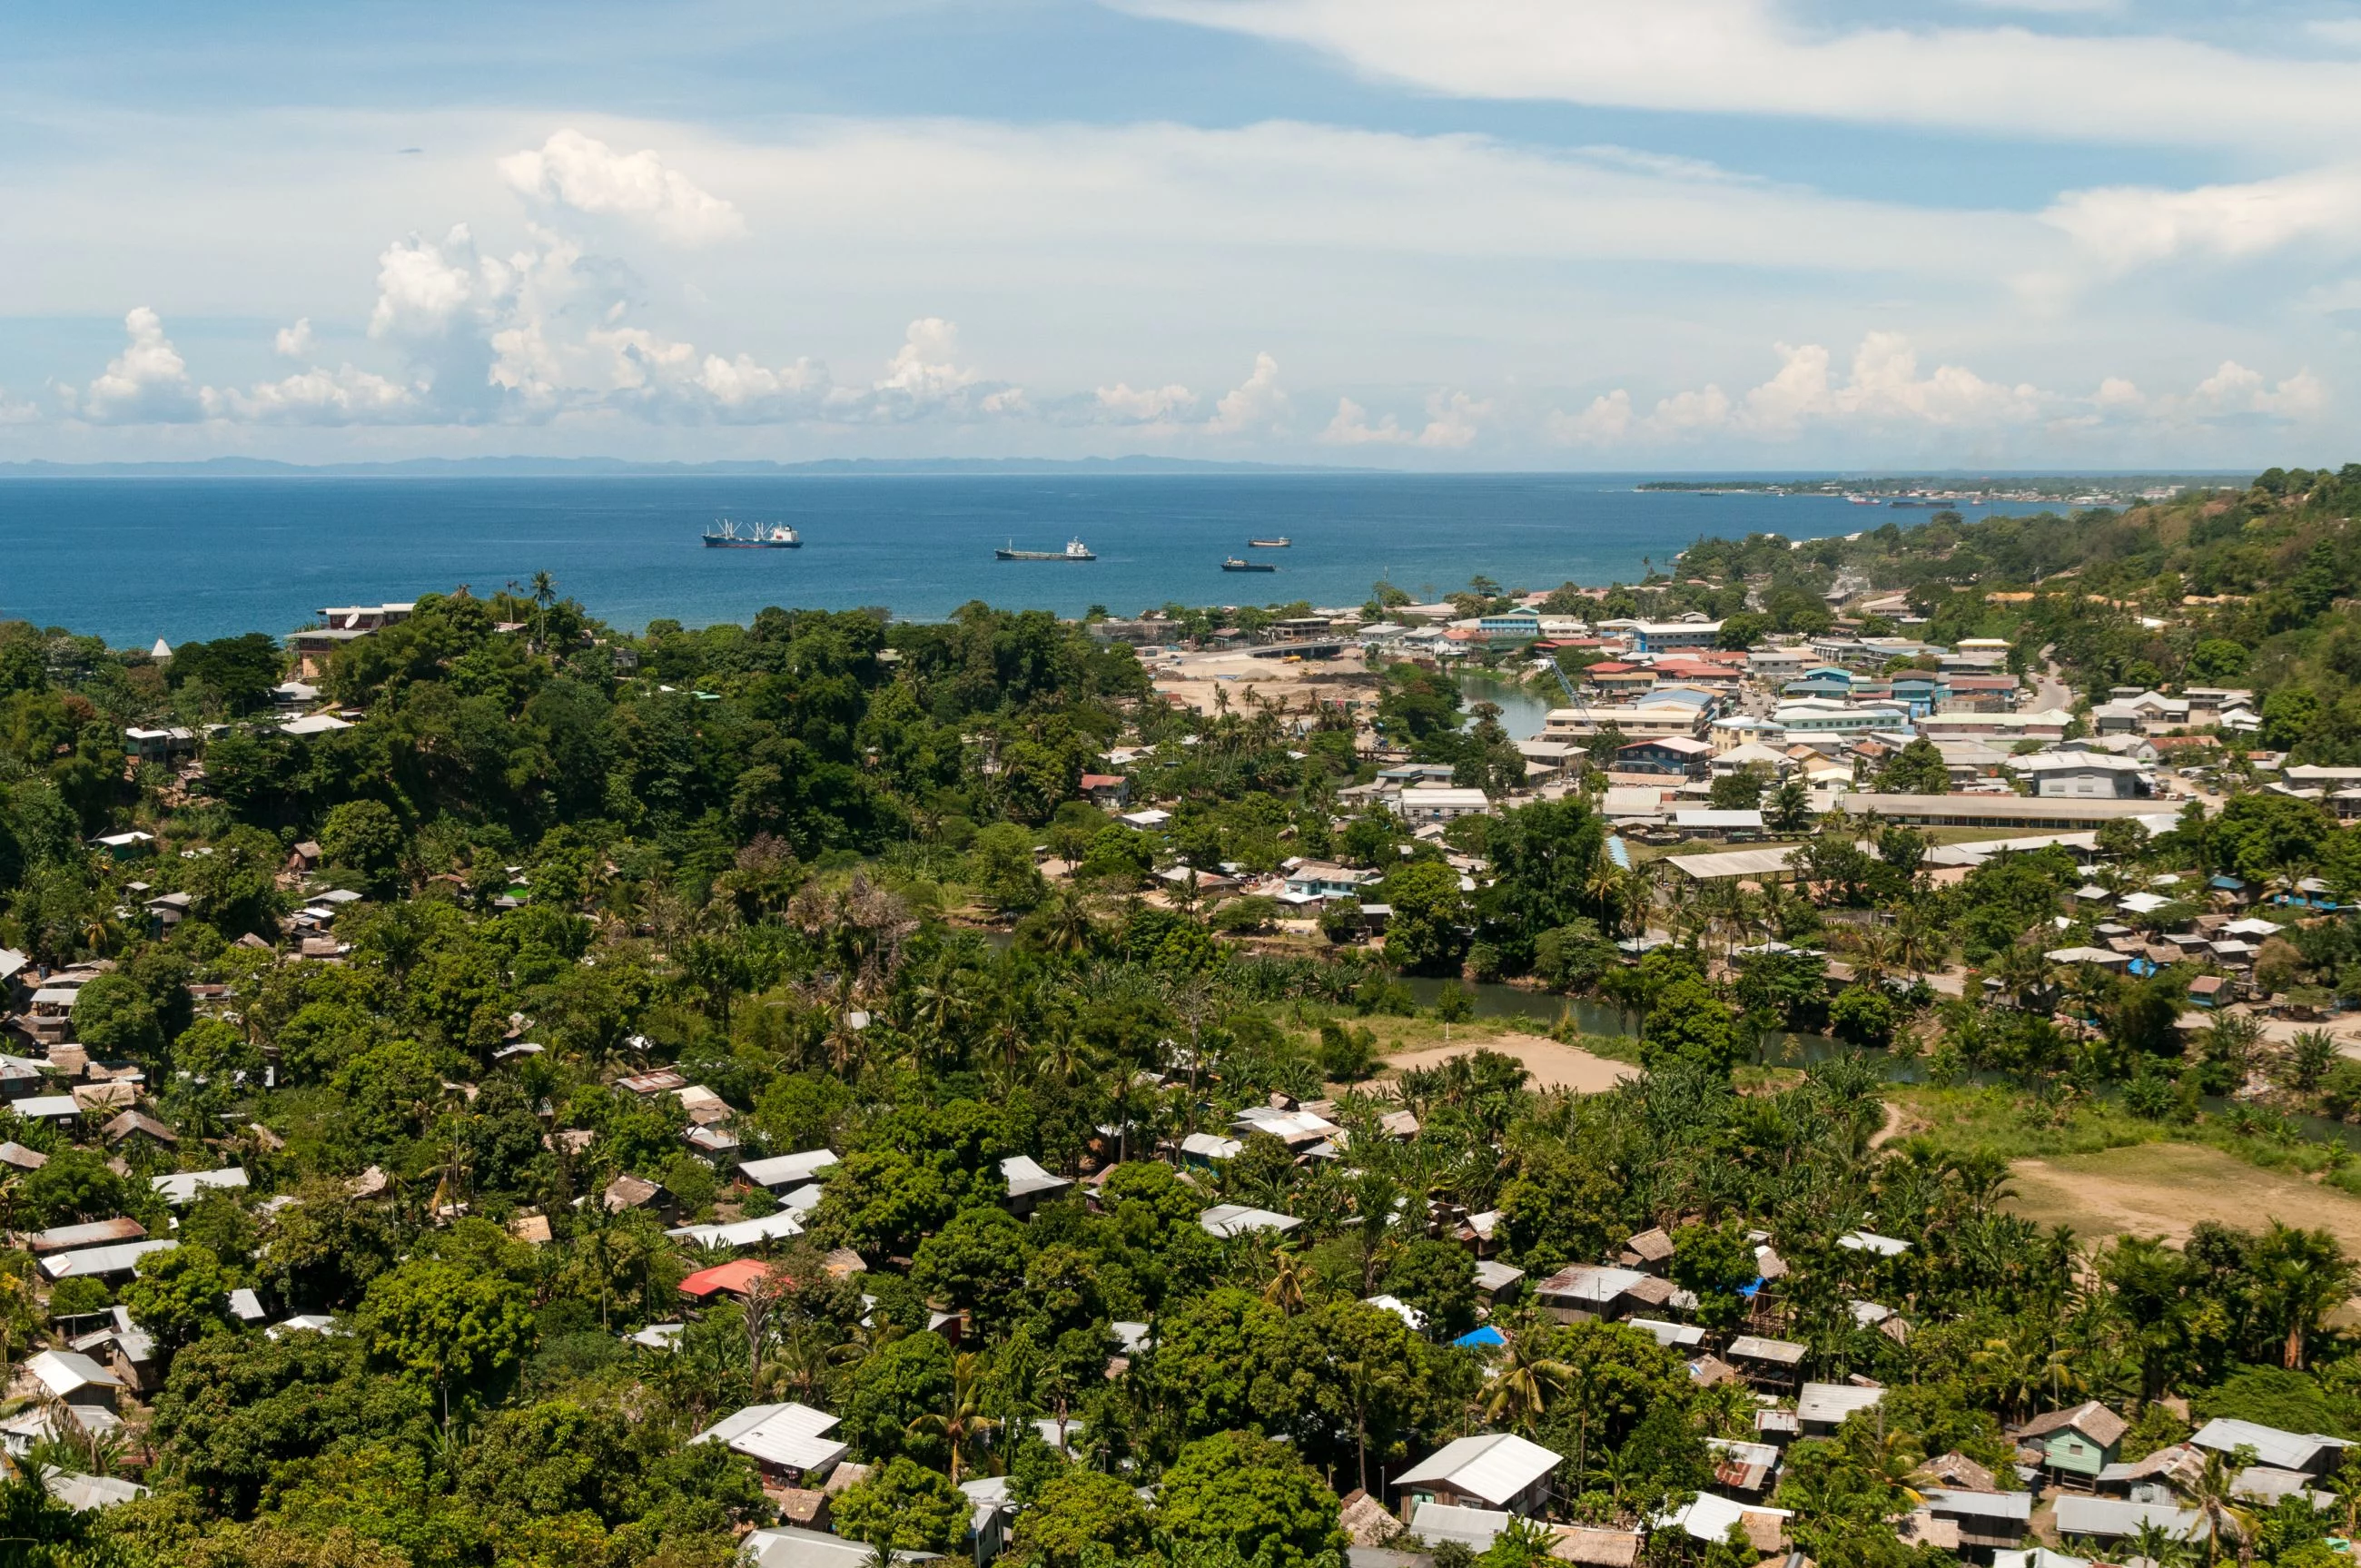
{"x": 1192, "y": 679}
{"x": 1554, "y": 1066}
{"x": 2163, "y": 1189}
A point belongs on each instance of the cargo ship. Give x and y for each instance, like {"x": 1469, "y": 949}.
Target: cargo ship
{"x": 1075, "y": 550}
{"x": 1281, "y": 542}
{"x": 1235, "y": 564}
{"x": 727, "y": 535}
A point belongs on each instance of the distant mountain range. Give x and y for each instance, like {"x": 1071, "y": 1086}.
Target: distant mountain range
{"x": 615, "y": 467}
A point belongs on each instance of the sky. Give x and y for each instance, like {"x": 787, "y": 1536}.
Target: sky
{"x": 1675, "y": 235}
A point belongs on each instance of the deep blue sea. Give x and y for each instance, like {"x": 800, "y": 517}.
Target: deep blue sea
{"x": 136, "y": 559}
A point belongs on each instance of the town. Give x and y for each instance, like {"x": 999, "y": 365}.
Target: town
{"x": 1865, "y": 1080}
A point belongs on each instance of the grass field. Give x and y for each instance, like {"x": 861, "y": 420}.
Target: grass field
{"x": 2165, "y": 1189}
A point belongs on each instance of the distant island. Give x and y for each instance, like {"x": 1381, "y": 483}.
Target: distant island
{"x": 1953, "y": 489}
{"x": 616, "y": 467}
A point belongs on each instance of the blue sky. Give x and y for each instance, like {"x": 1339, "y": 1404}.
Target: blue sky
{"x": 1492, "y": 234}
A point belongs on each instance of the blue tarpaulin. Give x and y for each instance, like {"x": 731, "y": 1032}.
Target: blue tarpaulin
{"x": 1476, "y": 1338}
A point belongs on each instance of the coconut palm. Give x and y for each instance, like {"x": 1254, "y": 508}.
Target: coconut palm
{"x": 1293, "y": 1278}
{"x": 1529, "y": 1383}
{"x": 2214, "y": 1495}
{"x": 2025, "y": 967}
{"x": 961, "y": 1423}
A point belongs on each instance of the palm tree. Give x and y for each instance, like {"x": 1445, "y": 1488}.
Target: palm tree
{"x": 2025, "y": 968}
{"x": 1067, "y": 925}
{"x": 962, "y": 1423}
{"x": 2308, "y": 1277}
{"x": 544, "y": 594}
{"x": 1291, "y": 1279}
{"x": 2214, "y": 1493}
{"x": 1529, "y": 1382}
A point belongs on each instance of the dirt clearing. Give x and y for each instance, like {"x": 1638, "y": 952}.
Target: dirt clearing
{"x": 2163, "y": 1189}
{"x": 1554, "y": 1066}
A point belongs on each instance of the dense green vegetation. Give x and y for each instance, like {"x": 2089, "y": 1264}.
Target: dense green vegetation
{"x": 797, "y": 861}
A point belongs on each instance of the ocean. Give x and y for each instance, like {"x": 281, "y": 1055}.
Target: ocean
{"x": 136, "y": 559}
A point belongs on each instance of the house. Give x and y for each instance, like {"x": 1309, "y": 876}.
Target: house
{"x": 1672, "y": 1336}
{"x": 1680, "y": 756}
{"x": 739, "y": 1277}
{"x": 2141, "y": 712}
{"x": 160, "y": 746}
{"x": 663, "y": 1081}
{"x": 1709, "y": 1516}
{"x": 1662, "y": 636}
{"x": 1431, "y": 805}
{"x": 2112, "y": 1520}
{"x": 1028, "y": 1183}
{"x": 1613, "y": 678}
{"x": 991, "y": 1513}
{"x": 1591, "y": 1290}
{"x": 183, "y": 1187}
{"x": 787, "y": 1443}
{"x": 125, "y": 846}
{"x": 2087, "y": 774}
{"x": 1774, "y": 1361}
{"x": 782, "y": 1172}
{"x": 1649, "y": 1251}
{"x": 629, "y": 1191}
{"x": 1311, "y": 880}
{"x": 2308, "y": 1453}
{"x": 736, "y": 1234}
{"x": 1300, "y": 1130}
{"x": 789, "y": 1547}
{"x": 1743, "y": 1466}
{"x": 1985, "y": 1520}
{"x": 103, "y": 1262}
{"x": 1494, "y": 1470}
{"x": 2081, "y": 1441}
{"x": 1870, "y": 1240}
{"x": 1719, "y": 825}
{"x": 125, "y": 1348}
{"x": 1205, "y": 1148}
{"x": 1822, "y": 1408}
{"x": 314, "y": 645}
{"x": 74, "y": 1378}
{"x": 1106, "y": 789}
{"x": 1475, "y": 1528}
{"x": 93, "y": 1232}
{"x": 1227, "y": 1220}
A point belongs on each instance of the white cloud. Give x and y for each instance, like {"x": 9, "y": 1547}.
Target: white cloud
{"x": 1764, "y": 57}
{"x": 2117, "y": 394}
{"x": 1255, "y": 405}
{"x": 343, "y": 395}
{"x": 1450, "y": 424}
{"x": 1148, "y": 405}
{"x": 1883, "y": 388}
{"x": 579, "y": 171}
{"x": 2235, "y": 389}
{"x": 1351, "y": 427}
{"x": 147, "y": 383}
{"x": 1884, "y": 391}
{"x": 422, "y": 287}
{"x": 2124, "y": 227}
{"x": 294, "y": 342}
{"x": 924, "y": 370}
{"x": 1605, "y": 423}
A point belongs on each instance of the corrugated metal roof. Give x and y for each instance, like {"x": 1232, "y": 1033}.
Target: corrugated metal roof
{"x": 92, "y": 1262}
{"x": 1495, "y": 1466}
